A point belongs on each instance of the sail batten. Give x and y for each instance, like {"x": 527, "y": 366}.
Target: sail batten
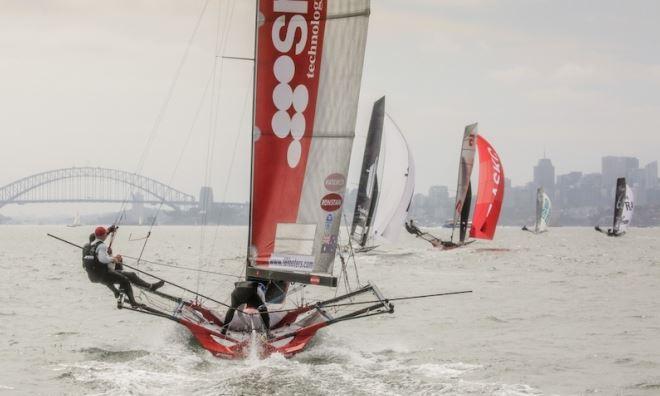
{"x": 308, "y": 69}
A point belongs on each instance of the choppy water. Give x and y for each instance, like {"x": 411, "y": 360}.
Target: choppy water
{"x": 567, "y": 312}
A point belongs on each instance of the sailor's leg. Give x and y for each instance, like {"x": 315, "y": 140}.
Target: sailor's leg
{"x": 112, "y": 287}
{"x": 132, "y": 276}
{"x": 235, "y": 302}
{"x": 265, "y": 317}
{"x": 124, "y": 285}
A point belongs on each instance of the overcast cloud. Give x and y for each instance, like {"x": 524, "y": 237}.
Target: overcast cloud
{"x": 578, "y": 79}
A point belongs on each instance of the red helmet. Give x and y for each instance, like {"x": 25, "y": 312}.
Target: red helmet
{"x": 100, "y": 231}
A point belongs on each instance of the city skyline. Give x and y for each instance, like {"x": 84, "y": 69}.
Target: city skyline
{"x": 569, "y": 191}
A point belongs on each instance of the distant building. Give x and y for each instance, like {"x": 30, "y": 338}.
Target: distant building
{"x": 651, "y": 175}
{"x": 544, "y": 175}
{"x": 614, "y": 167}
{"x": 437, "y": 203}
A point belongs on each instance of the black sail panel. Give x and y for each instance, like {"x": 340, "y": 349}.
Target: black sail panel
{"x": 368, "y": 187}
{"x": 465, "y": 213}
{"x": 618, "y": 203}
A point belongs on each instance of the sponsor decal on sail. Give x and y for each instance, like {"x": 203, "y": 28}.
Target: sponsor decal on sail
{"x": 335, "y": 182}
{"x": 331, "y": 202}
{"x": 292, "y": 262}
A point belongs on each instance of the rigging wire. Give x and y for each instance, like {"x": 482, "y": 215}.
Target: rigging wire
{"x": 181, "y": 267}
{"x": 384, "y": 300}
{"x": 219, "y": 48}
{"x": 351, "y": 251}
{"x": 176, "y": 166}
{"x": 164, "y": 106}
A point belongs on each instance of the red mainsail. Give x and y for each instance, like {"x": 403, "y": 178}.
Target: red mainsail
{"x": 491, "y": 192}
{"x": 309, "y": 57}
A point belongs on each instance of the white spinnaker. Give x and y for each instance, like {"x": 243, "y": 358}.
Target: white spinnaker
{"x": 397, "y": 184}
{"x": 628, "y": 207}
{"x": 546, "y": 208}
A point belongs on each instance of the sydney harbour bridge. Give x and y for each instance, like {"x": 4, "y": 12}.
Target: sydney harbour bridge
{"x": 90, "y": 184}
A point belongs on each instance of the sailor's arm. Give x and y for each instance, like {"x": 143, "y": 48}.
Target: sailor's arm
{"x": 105, "y": 258}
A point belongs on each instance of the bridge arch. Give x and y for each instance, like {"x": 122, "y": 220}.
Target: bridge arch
{"x": 91, "y": 184}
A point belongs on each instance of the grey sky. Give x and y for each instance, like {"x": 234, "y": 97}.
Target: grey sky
{"x": 579, "y": 79}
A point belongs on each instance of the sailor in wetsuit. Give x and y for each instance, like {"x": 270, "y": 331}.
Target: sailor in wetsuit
{"x": 103, "y": 268}
{"x": 252, "y": 294}
{"x": 413, "y": 229}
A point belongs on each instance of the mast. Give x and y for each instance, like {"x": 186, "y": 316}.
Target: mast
{"x": 254, "y": 132}
{"x": 465, "y": 164}
{"x": 367, "y": 198}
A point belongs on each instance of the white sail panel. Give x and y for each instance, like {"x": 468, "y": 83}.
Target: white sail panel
{"x": 334, "y": 126}
{"x": 397, "y": 187}
{"x": 628, "y": 208}
{"x": 546, "y": 211}
{"x": 544, "y": 208}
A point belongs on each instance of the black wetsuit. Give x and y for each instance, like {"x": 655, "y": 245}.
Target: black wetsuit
{"x": 99, "y": 273}
{"x": 246, "y": 293}
{"x": 411, "y": 228}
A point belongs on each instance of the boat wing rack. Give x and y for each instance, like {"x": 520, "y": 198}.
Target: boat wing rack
{"x": 368, "y": 300}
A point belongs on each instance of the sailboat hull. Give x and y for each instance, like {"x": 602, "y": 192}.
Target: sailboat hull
{"x": 288, "y": 338}
{"x": 291, "y": 332}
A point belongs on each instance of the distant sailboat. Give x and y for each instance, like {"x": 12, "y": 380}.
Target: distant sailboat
{"x": 76, "y": 221}
{"x": 489, "y": 197}
{"x": 386, "y": 186}
{"x": 543, "y": 209}
{"x": 623, "y": 209}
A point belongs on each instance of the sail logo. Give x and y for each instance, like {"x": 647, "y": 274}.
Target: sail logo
{"x": 291, "y": 101}
{"x": 497, "y": 175}
{"x": 629, "y": 205}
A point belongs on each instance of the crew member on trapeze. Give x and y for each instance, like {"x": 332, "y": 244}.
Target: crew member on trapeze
{"x": 104, "y": 268}
{"x": 436, "y": 242}
{"x": 413, "y": 229}
{"x": 253, "y": 295}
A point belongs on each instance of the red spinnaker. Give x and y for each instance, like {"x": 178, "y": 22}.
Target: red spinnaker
{"x": 491, "y": 192}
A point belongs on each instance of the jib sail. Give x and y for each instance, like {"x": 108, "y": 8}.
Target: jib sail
{"x": 465, "y": 165}
{"x": 490, "y": 194}
{"x": 367, "y": 197}
{"x": 308, "y": 58}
